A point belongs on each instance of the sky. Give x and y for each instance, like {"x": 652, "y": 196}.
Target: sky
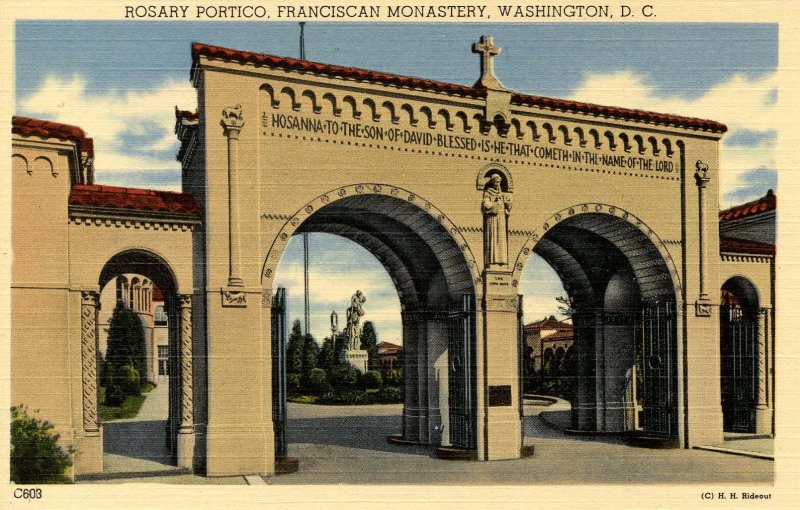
{"x": 120, "y": 82}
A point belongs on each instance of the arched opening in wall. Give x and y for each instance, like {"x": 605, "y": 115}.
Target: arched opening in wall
{"x": 418, "y": 295}
{"x": 739, "y": 315}
{"x": 609, "y": 342}
{"x": 139, "y": 393}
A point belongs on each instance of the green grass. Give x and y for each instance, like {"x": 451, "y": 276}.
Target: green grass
{"x": 302, "y": 399}
{"x": 129, "y": 408}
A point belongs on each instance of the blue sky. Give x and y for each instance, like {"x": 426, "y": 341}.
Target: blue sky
{"x": 121, "y": 80}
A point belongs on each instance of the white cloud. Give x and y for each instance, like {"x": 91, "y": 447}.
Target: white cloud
{"x": 739, "y": 103}
{"x": 110, "y": 116}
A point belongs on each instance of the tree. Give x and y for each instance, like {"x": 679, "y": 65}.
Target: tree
{"x": 310, "y": 353}
{"x": 566, "y": 306}
{"x": 327, "y": 355}
{"x": 369, "y": 342}
{"x": 294, "y": 349}
{"x": 339, "y": 347}
{"x": 126, "y": 341}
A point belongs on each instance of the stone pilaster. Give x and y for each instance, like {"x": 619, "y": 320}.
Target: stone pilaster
{"x": 703, "y": 303}
{"x": 763, "y": 411}
{"x": 186, "y": 438}
{"x": 89, "y": 306}
{"x": 233, "y": 123}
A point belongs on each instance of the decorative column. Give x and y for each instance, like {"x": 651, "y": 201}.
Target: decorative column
{"x": 186, "y": 427}
{"x": 703, "y": 304}
{"x": 763, "y": 412}
{"x": 232, "y": 122}
{"x": 90, "y": 302}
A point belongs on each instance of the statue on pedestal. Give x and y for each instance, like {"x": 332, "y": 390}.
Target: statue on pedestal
{"x": 354, "y": 314}
{"x": 496, "y": 206}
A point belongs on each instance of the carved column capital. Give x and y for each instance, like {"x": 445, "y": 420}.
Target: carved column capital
{"x": 232, "y": 121}
{"x": 701, "y": 174}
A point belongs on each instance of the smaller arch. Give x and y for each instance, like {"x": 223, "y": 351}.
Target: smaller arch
{"x": 395, "y": 119}
{"x": 595, "y": 136}
{"x": 412, "y": 118}
{"x": 506, "y": 181}
{"x": 429, "y": 114}
{"x": 332, "y": 100}
{"x": 534, "y": 130}
{"x": 464, "y": 120}
{"x": 740, "y": 291}
{"x": 43, "y": 164}
{"x": 551, "y": 137}
{"x": 315, "y": 107}
{"x": 581, "y": 136}
{"x": 612, "y": 145}
{"x": 445, "y": 115}
{"x": 369, "y": 103}
{"x": 639, "y": 143}
{"x": 273, "y": 100}
{"x": 289, "y": 92}
{"x": 626, "y": 142}
{"x": 353, "y": 105}
{"x": 19, "y": 163}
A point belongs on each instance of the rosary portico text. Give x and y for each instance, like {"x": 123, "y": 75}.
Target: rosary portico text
{"x": 342, "y": 128}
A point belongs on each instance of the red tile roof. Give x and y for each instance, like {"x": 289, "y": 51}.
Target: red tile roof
{"x": 388, "y": 348}
{"x": 559, "y": 336}
{"x": 728, "y": 244}
{"x": 768, "y": 202}
{"x": 26, "y": 126}
{"x": 548, "y": 324}
{"x": 93, "y": 195}
{"x": 263, "y": 59}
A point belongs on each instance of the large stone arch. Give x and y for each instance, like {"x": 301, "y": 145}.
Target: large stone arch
{"x": 626, "y": 294}
{"x": 433, "y": 269}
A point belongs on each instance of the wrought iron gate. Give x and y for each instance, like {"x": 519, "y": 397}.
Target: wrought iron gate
{"x": 657, "y": 362}
{"x": 461, "y": 382}
{"x": 738, "y": 370}
{"x": 279, "y": 341}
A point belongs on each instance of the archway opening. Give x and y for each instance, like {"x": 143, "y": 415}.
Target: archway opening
{"x": 138, "y": 359}
{"x": 739, "y": 314}
{"x": 612, "y": 354}
{"x": 407, "y": 253}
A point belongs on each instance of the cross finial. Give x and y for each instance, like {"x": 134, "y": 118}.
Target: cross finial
{"x": 486, "y": 49}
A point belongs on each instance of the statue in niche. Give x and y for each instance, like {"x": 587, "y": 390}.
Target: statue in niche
{"x": 354, "y": 314}
{"x": 496, "y": 207}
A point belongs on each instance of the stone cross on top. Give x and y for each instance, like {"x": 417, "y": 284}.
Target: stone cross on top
{"x": 487, "y": 51}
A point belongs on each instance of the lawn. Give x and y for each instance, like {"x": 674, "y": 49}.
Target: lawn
{"x": 129, "y": 408}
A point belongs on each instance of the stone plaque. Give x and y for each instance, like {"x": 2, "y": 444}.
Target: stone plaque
{"x": 499, "y": 396}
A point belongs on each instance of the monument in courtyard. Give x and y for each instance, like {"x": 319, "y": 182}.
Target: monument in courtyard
{"x": 353, "y": 353}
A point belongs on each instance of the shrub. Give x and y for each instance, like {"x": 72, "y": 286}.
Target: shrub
{"x": 372, "y": 379}
{"x": 129, "y": 380}
{"x": 114, "y": 396}
{"x": 36, "y": 456}
{"x": 344, "y": 376}
{"x": 388, "y": 395}
{"x": 293, "y": 382}
{"x": 350, "y": 397}
{"x": 393, "y": 377}
{"x": 107, "y": 374}
{"x": 318, "y": 381}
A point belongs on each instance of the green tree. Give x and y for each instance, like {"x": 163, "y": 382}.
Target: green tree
{"x": 36, "y": 456}
{"x": 327, "y": 355}
{"x": 339, "y": 347}
{"x": 126, "y": 341}
{"x": 294, "y": 349}
{"x": 369, "y": 342}
{"x": 310, "y": 353}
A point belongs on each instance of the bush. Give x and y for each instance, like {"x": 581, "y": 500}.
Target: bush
{"x": 114, "y": 396}
{"x": 36, "y": 456}
{"x": 393, "y": 377}
{"x": 344, "y": 376}
{"x": 318, "y": 381}
{"x": 293, "y": 382}
{"x": 129, "y": 381}
{"x": 351, "y": 397}
{"x": 388, "y": 395}
{"x": 372, "y": 379}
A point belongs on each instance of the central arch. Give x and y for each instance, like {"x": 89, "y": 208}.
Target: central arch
{"x": 435, "y": 275}
{"x": 625, "y": 292}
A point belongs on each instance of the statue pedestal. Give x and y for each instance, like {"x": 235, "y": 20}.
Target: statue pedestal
{"x": 358, "y": 359}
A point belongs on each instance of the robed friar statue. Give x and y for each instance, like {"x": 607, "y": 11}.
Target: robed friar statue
{"x": 496, "y": 207}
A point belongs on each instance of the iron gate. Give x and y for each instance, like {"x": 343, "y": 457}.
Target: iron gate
{"x": 461, "y": 382}
{"x": 656, "y": 358}
{"x": 279, "y": 342}
{"x": 738, "y": 371}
